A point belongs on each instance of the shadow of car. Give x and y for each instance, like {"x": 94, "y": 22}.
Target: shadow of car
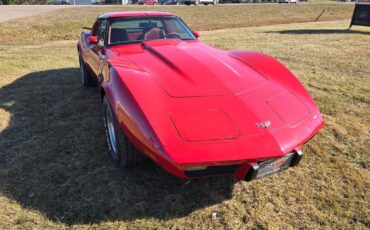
{"x": 54, "y": 159}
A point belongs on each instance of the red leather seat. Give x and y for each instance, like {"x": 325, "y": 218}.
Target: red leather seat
{"x": 154, "y": 33}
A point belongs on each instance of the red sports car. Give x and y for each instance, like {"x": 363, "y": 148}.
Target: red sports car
{"x": 193, "y": 109}
{"x": 147, "y": 2}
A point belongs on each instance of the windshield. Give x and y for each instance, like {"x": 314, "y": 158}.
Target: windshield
{"x": 132, "y": 30}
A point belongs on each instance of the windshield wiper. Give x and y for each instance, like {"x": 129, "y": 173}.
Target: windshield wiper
{"x": 127, "y": 43}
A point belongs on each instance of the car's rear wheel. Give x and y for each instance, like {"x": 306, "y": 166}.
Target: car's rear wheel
{"x": 122, "y": 152}
{"x": 86, "y": 78}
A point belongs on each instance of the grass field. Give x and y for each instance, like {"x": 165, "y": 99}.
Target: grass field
{"x": 54, "y": 167}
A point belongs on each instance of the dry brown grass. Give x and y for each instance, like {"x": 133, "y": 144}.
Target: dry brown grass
{"x": 55, "y": 172}
{"x": 66, "y": 24}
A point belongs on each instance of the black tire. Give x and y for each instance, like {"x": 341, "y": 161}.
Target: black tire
{"x": 123, "y": 154}
{"x": 86, "y": 78}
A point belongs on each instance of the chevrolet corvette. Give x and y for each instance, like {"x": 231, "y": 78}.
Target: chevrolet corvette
{"x": 193, "y": 109}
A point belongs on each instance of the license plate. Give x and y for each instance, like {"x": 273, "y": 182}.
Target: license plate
{"x": 273, "y": 166}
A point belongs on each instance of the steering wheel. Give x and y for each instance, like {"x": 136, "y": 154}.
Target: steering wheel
{"x": 173, "y": 35}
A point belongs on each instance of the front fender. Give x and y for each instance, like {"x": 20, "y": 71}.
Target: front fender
{"x": 129, "y": 114}
{"x": 273, "y": 70}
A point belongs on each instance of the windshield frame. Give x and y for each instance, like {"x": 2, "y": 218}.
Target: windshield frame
{"x": 112, "y": 20}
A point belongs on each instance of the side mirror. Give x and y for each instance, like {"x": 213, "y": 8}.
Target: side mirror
{"x": 196, "y": 34}
{"x": 93, "y": 39}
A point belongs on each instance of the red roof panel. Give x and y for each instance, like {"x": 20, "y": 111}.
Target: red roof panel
{"x": 135, "y": 14}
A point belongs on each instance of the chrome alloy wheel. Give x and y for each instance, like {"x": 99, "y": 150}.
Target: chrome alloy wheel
{"x": 82, "y": 72}
{"x": 111, "y": 133}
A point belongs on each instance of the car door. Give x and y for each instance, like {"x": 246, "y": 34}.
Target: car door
{"x": 96, "y": 52}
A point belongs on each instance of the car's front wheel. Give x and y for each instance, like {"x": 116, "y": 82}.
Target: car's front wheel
{"x": 122, "y": 152}
{"x": 85, "y": 76}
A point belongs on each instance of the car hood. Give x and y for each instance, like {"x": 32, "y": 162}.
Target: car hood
{"x": 192, "y": 69}
{"x": 202, "y": 102}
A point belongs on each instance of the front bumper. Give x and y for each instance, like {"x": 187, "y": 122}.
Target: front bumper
{"x": 248, "y": 171}
{"x": 253, "y": 171}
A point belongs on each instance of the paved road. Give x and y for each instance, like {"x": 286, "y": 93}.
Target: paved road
{"x": 12, "y": 12}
